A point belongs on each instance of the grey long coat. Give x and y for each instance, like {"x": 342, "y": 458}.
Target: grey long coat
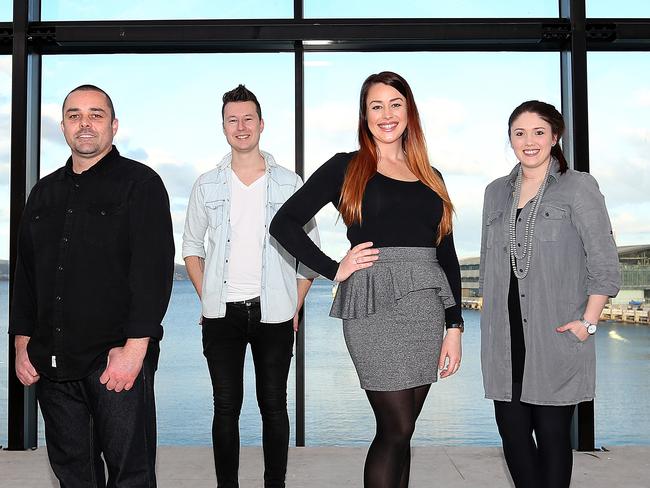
{"x": 574, "y": 256}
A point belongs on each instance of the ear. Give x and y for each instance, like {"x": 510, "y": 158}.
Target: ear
{"x": 114, "y": 125}
{"x": 62, "y": 128}
{"x": 554, "y": 139}
{"x": 261, "y": 125}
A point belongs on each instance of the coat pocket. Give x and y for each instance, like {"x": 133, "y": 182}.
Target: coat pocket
{"x": 550, "y": 220}
{"x": 494, "y": 228}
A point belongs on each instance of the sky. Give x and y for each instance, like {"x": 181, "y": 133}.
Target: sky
{"x": 169, "y": 106}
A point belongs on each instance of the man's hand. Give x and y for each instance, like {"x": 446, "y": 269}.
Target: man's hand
{"x": 25, "y": 371}
{"x": 450, "y": 353}
{"x": 124, "y": 365}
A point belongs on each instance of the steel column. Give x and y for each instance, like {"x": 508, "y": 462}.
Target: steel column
{"x": 25, "y": 146}
{"x": 299, "y": 150}
{"x": 573, "y": 71}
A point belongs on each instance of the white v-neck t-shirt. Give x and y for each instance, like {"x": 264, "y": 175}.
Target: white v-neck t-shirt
{"x": 247, "y": 234}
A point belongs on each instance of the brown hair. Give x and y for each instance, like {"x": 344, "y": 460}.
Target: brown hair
{"x": 549, "y": 114}
{"x": 364, "y": 165}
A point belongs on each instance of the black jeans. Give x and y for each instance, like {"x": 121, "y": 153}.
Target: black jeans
{"x": 83, "y": 421}
{"x": 224, "y": 346}
{"x": 545, "y": 461}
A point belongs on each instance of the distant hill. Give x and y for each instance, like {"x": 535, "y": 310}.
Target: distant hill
{"x": 180, "y": 273}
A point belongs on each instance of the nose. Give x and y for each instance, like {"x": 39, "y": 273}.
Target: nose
{"x": 240, "y": 124}
{"x": 84, "y": 121}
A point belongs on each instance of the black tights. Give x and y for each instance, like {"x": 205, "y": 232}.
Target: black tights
{"x": 389, "y": 458}
{"x": 546, "y": 463}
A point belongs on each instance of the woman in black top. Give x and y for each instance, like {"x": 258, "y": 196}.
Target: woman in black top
{"x": 400, "y": 282}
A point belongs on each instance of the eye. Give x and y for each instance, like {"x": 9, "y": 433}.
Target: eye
{"x": 396, "y": 105}
{"x": 375, "y": 107}
{"x": 539, "y": 133}
{"x": 73, "y": 116}
{"x": 519, "y": 133}
{"x": 96, "y": 116}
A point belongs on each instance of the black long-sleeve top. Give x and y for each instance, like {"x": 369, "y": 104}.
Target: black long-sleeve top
{"x": 95, "y": 265}
{"x": 394, "y": 214}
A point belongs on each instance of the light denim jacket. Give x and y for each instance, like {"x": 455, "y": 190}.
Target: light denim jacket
{"x": 208, "y": 212}
{"x": 574, "y": 256}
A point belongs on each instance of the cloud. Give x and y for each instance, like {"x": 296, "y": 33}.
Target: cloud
{"x": 138, "y": 153}
{"x": 5, "y": 66}
{"x": 641, "y": 98}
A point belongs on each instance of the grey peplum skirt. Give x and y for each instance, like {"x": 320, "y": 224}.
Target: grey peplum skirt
{"x": 394, "y": 318}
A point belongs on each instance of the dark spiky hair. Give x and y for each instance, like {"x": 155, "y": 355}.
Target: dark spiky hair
{"x": 240, "y": 94}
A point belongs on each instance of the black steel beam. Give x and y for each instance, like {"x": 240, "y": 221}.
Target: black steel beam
{"x": 317, "y": 34}
{"x": 573, "y": 72}
{"x": 25, "y": 140}
{"x": 618, "y": 35}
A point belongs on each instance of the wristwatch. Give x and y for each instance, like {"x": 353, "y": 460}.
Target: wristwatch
{"x": 591, "y": 328}
{"x": 456, "y": 325}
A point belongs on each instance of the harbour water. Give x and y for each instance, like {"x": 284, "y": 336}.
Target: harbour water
{"x": 337, "y": 412}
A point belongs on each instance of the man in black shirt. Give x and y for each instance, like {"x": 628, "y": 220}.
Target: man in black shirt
{"x": 93, "y": 280}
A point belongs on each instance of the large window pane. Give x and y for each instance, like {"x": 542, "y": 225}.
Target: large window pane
{"x": 428, "y": 8}
{"x": 6, "y": 10}
{"x": 5, "y": 150}
{"x": 621, "y": 8}
{"x": 169, "y": 108}
{"x": 619, "y": 135}
{"x": 155, "y": 9}
{"x": 464, "y": 101}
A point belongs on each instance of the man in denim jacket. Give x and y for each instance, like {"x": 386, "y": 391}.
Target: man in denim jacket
{"x": 248, "y": 284}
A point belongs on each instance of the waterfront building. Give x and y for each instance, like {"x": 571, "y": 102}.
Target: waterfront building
{"x": 635, "y": 278}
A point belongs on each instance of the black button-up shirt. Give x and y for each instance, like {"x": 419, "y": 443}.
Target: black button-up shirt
{"x": 95, "y": 265}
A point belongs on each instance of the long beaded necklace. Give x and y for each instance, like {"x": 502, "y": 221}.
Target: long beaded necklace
{"x": 527, "y": 250}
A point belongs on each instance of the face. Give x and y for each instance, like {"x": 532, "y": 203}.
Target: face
{"x": 386, "y": 114}
{"x": 531, "y": 138}
{"x": 87, "y": 125}
{"x": 242, "y": 126}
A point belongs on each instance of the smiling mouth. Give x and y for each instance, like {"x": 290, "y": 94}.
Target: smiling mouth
{"x": 243, "y": 136}
{"x": 531, "y": 152}
{"x": 389, "y": 126}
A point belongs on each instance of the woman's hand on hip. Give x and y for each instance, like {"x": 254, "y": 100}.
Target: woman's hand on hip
{"x": 359, "y": 257}
{"x": 576, "y": 328}
{"x": 450, "y": 353}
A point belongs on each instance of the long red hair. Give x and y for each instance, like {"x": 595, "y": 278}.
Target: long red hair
{"x": 364, "y": 165}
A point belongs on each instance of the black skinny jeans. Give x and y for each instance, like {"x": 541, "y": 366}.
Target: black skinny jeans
{"x": 84, "y": 421}
{"x": 224, "y": 346}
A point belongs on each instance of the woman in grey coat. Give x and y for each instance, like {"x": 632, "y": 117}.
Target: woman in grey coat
{"x": 548, "y": 265}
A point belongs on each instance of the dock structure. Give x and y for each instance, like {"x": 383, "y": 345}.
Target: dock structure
{"x": 631, "y": 305}
{"x": 625, "y": 314}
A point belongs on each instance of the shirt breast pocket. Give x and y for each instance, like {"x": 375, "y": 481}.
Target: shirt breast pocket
{"x": 104, "y": 222}
{"x": 215, "y": 211}
{"x": 494, "y": 227}
{"x": 45, "y": 226}
{"x": 550, "y": 220}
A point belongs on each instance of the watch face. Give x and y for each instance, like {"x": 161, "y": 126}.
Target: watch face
{"x": 591, "y": 329}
